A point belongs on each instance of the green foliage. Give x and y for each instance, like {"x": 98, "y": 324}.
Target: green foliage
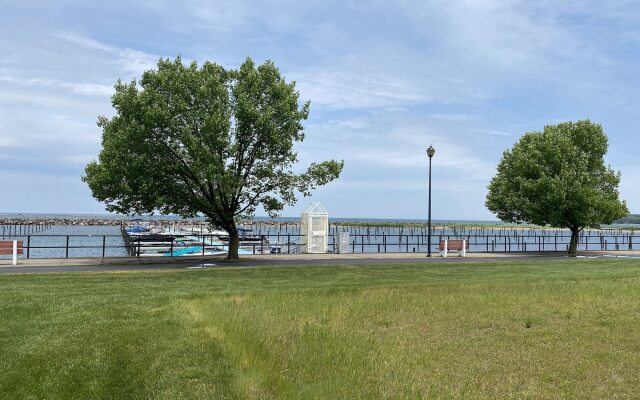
{"x": 191, "y": 140}
{"x": 558, "y": 177}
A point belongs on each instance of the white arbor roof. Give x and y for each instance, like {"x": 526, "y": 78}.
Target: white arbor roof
{"x": 316, "y": 209}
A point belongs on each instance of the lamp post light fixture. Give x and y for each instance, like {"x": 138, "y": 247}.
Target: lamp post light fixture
{"x": 430, "y": 152}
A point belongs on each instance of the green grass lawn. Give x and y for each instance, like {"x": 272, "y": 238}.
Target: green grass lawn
{"x": 565, "y": 329}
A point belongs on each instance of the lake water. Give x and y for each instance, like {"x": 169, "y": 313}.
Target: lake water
{"x": 87, "y": 241}
{"x": 52, "y": 242}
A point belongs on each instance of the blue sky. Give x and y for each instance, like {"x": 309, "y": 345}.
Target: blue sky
{"x": 385, "y": 80}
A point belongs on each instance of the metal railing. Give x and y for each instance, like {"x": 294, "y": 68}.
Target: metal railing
{"x": 100, "y": 246}
{"x": 493, "y": 243}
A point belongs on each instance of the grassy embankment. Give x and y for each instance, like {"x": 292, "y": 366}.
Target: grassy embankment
{"x": 566, "y": 329}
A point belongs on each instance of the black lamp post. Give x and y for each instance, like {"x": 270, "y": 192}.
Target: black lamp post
{"x": 430, "y": 152}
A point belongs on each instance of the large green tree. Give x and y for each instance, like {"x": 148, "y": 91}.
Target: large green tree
{"x": 206, "y": 140}
{"x": 558, "y": 178}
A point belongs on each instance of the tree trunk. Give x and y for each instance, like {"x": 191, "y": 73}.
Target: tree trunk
{"x": 573, "y": 246}
{"x": 234, "y": 244}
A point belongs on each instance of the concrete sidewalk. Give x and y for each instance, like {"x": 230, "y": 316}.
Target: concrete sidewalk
{"x": 270, "y": 258}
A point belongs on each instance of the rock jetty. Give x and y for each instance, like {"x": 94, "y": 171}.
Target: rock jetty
{"x": 117, "y": 221}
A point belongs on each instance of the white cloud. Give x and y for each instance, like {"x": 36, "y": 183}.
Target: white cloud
{"x": 451, "y": 156}
{"x": 82, "y": 159}
{"x": 136, "y": 62}
{"x": 341, "y": 89}
{"x": 129, "y": 60}
{"x": 90, "y": 89}
{"x": 493, "y": 132}
{"x": 6, "y": 141}
{"x": 454, "y": 117}
{"x": 223, "y": 15}
{"x": 84, "y": 42}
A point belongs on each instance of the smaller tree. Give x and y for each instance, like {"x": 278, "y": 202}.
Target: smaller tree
{"x": 558, "y": 178}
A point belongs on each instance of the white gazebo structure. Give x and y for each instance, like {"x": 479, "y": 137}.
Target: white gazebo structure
{"x": 314, "y": 227}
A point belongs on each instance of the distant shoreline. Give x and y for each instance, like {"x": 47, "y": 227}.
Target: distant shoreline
{"x": 116, "y": 220}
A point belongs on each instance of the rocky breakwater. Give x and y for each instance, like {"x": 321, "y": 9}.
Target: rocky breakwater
{"x": 117, "y": 221}
{"x": 63, "y": 221}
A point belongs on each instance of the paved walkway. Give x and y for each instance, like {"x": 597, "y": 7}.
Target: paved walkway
{"x": 253, "y": 258}
{"x": 35, "y": 265}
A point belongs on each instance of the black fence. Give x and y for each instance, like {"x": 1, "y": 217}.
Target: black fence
{"x": 75, "y": 246}
{"x": 491, "y": 243}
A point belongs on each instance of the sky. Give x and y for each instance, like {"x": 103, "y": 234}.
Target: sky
{"x": 385, "y": 79}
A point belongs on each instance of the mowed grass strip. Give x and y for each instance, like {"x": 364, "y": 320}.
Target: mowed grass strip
{"x": 547, "y": 329}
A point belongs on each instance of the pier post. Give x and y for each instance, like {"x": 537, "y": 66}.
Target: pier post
{"x": 15, "y": 252}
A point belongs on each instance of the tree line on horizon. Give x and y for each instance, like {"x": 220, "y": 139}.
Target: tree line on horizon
{"x": 629, "y": 219}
